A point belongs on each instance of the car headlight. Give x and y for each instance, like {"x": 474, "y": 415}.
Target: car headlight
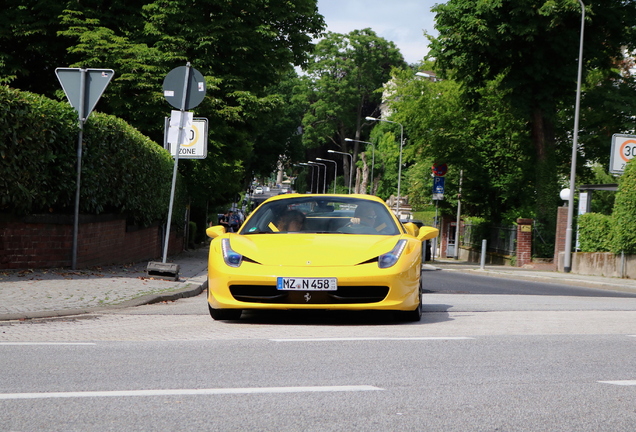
{"x": 231, "y": 258}
{"x": 390, "y": 258}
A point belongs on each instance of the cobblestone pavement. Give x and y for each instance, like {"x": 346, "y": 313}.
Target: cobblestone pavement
{"x": 445, "y": 315}
{"x": 60, "y": 292}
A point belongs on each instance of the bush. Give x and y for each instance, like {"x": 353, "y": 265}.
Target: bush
{"x": 122, "y": 170}
{"x": 595, "y": 232}
{"x": 624, "y": 214}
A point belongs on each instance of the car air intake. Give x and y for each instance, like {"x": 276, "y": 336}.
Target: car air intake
{"x": 343, "y": 295}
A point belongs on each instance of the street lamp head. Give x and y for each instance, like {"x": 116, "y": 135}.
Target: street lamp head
{"x": 565, "y": 194}
{"x": 371, "y": 118}
{"x": 348, "y": 139}
{"x": 330, "y": 151}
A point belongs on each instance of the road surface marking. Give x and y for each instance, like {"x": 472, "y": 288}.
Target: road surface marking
{"x": 621, "y": 383}
{"x": 47, "y": 343}
{"x": 369, "y": 339}
{"x": 187, "y": 392}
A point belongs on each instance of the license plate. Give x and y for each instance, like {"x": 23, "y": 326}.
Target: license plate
{"x": 307, "y": 284}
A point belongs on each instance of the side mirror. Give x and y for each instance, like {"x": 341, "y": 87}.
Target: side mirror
{"x": 427, "y": 233}
{"x": 215, "y": 231}
{"x": 411, "y": 228}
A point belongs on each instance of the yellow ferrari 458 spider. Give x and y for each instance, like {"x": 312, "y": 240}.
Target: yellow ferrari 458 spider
{"x": 331, "y": 252}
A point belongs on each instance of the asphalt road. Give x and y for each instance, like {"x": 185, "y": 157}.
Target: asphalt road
{"x": 476, "y": 362}
{"x": 462, "y": 283}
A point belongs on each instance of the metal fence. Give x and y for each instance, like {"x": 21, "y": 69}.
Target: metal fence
{"x": 501, "y": 239}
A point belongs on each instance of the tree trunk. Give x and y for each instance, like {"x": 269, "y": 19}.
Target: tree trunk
{"x": 542, "y": 134}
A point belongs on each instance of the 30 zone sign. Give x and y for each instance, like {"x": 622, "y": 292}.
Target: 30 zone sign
{"x": 196, "y": 137}
{"x": 623, "y": 150}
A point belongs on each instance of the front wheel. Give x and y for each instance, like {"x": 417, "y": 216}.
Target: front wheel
{"x": 225, "y": 314}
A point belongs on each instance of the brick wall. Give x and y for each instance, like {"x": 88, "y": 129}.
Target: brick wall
{"x": 47, "y": 242}
{"x": 561, "y": 228}
{"x": 524, "y": 241}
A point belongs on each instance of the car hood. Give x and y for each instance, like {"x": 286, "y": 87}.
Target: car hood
{"x": 311, "y": 249}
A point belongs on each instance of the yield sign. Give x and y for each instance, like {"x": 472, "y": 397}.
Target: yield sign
{"x": 84, "y": 87}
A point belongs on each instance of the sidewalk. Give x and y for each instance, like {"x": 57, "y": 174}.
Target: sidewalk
{"x": 59, "y": 292}
{"x": 534, "y": 274}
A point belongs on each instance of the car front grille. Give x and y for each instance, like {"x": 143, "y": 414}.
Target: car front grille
{"x": 344, "y": 295}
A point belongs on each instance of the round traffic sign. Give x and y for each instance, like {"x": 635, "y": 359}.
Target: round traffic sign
{"x": 174, "y": 83}
{"x": 439, "y": 169}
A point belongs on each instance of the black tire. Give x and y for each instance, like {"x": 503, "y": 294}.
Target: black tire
{"x": 225, "y": 314}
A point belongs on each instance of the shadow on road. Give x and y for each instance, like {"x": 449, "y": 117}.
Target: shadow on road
{"x": 431, "y": 314}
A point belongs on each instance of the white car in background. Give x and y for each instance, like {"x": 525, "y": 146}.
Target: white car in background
{"x": 258, "y": 190}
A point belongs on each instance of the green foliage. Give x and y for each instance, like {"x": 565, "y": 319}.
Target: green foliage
{"x": 491, "y": 147}
{"x": 243, "y": 50}
{"x": 122, "y": 170}
{"x": 419, "y": 185}
{"x": 532, "y": 47}
{"x": 625, "y": 212}
{"x": 37, "y": 137}
{"x": 602, "y": 201}
{"x": 342, "y": 88}
{"x": 595, "y": 232}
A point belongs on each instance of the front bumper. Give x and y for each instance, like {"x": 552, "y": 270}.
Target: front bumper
{"x": 361, "y": 287}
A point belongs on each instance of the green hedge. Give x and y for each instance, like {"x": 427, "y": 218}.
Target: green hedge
{"x": 624, "y": 212}
{"x": 123, "y": 171}
{"x": 595, "y": 232}
{"x": 615, "y": 233}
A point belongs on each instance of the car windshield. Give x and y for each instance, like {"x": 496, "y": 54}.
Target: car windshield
{"x": 321, "y": 214}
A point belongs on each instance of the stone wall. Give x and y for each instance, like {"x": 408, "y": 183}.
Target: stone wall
{"x": 601, "y": 264}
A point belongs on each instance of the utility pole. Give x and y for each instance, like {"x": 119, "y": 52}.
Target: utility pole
{"x": 459, "y": 212}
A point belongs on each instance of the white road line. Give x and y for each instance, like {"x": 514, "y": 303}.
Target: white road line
{"x": 187, "y": 392}
{"x": 369, "y": 339}
{"x": 46, "y": 343}
{"x": 620, "y": 383}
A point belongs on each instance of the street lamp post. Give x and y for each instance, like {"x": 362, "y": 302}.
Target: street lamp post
{"x": 567, "y": 263}
{"x": 350, "y": 166}
{"x": 324, "y": 177}
{"x": 372, "y": 157}
{"x": 335, "y": 171}
{"x": 397, "y": 209}
{"x": 311, "y": 187}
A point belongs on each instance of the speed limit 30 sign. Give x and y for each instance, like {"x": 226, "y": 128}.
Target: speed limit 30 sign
{"x": 623, "y": 150}
{"x": 195, "y": 145}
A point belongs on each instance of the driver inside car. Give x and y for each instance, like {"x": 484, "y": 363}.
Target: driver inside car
{"x": 364, "y": 215}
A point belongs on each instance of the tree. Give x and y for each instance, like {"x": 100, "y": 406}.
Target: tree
{"x": 244, "y": 49}
{"x": 486, "y": 141}
{"x": 533, "y": 46}
{"x": 345, "y": 75}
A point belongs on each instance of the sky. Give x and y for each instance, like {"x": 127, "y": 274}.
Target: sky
{"x": 400, "y": 21}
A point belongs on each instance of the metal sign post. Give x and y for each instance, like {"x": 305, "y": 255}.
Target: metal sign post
{"x": 183, "y": 88}
{"x": 182, "y": 122}
{"x": 83, "y": 88}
